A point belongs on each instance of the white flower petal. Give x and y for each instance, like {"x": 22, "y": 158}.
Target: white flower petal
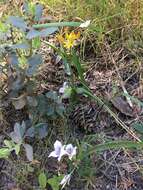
{"x": 65, "y": 180}
{"x": 71, "y": 151}
{"x": 61, "y": 90}
{"x": 85, "y": 24}
{"x": 69, "y": 148}
{"x": 53, "y": 154}
{"x": 57, "y": 145}
{"x": 62, "y": 153}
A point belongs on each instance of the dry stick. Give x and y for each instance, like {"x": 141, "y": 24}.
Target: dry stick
{"x": 119, "y": 76}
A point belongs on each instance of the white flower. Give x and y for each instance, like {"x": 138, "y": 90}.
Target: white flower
{"x": 65, "y": 180}
{"x": 59, "y": 150}
{"x": 85, "y": 24}
{"x": 62, "y": 89}
{"x": 70, "y": 151}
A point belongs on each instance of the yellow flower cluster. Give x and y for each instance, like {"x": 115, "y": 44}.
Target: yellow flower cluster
{"x": 68, "y": 40}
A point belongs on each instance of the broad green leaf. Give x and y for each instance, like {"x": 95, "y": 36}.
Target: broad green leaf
{"x": 55, "y": 182}
{"x": 21, "y": 46}
{"x": 32, "y": 101}
{"x": 18, "y": 133}
{"x": 43, "y": 33}
{"x": 42, "y": 179}
{"x": 4, "y": 152}
{"x": 42, "y": 104}
{"x": 42, "y": 129}
{"x": 48, "y": 31}
{"x": 13, "y": 59}
{"x": 17, "y": 22}
{"x": 38, "y": 12}
{"x": 15, "y": 135}
{"x": 30, "y": 132}
{"x": 8, "y": 143}
{"x": 29, "y": 151}
{"x": 32, "y": 34}
{"x": 50, "y": 110}
{"x": 52, "y": 95}
{"x": 33, "y": 62}
{"x": 60, "y": 110}
{"x": 26, "y": 7}
{"x": 30, "y": 87}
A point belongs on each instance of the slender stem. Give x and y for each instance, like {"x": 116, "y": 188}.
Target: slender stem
{"x": 57, "y": 24}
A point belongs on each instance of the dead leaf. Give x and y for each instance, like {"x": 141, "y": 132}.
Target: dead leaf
{"x": 122, "y": 105}
{"x": 19, "y": 102}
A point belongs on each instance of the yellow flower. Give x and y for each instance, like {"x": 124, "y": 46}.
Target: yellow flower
{"x": 68, "y": 44}
{"x": 72, "y": 36}
{"x": 69, "y": 39}
{"x": 60, "y": 38}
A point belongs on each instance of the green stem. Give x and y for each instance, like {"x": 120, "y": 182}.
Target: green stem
{"x": 57, "y": 24}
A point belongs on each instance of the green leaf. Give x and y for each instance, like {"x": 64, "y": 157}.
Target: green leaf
{"x": 50, "y": 110}
{"x": 67, "y": 93}
{"x": 3, "y": 27}
{"x": 42, "y": 180}
{"x": 52, "y": 95}
{"x": 17, "y": 148}
{"x": 116, "y": 145}
{"x": 38, "y": 12}
{"x": 21, "y": 46}
{"x": 33, "y": 62}
{"x": 55, "y": 182}
{"x": 36, "y": 43}
{"x": 76, "y": 62}
{"x": 30, "y": 132}
{"x": 60, "y": 110}
{"x": 4, "y": 152}
{"x": 42, "y": 129}
{"x": 13, "y": 59}
{"x": 17, "y": 22}
{"x": 67, "y": 66}
{"x": 32, "y": 34}
{"x": 9, "y": 144}
{"x": 32, "y": 101}
{"x": 48, "y": 31}
{"x": 26, "y": 7}
{"x": 43, "y": 33}
{"x": 17, "y": 134}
